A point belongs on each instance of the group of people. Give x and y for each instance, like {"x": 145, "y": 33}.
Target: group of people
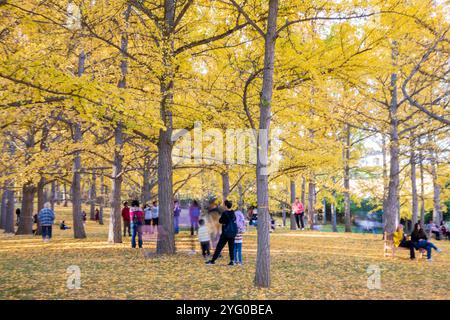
{"x": 418, "y": 241}
{"x": 233, "y": 227}
{"x": 439, "y": 231}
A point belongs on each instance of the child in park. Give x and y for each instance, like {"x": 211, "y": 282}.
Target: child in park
{"x": 204, "y": 238}
{"x": 240, "y": 221}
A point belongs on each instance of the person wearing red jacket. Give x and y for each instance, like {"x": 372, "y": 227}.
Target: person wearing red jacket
{"x": 136, "y": 222}
{"x": 126, "y": 219}
{"x": 298, "y": 210}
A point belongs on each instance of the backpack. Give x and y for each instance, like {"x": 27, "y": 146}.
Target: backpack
{"x": 230, "y": 230}
{"x": 136, "y": 219}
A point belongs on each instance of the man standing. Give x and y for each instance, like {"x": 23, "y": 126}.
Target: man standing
{"x": 176, "y": 216}
{"x": 298, "y": 209}
{"x": 46, "y": 218}
{"x": 126, "y": 219}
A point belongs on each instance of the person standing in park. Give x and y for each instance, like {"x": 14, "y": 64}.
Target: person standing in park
{"x": 240, "y": 222}
{"x": 194, "y": 214}
{"x": 147, "y": 215}
{"x": 445, "y": 231}
{"x": 298, "y": 210}
{"x": 126, "y": 219}
{"x": 17, "y": 216}
{"x": 204, "y": 238}
{"x": 136, "y": 222}
{"x": 46, "y": 218}
{"x": 176, "y": 216}
{"x": 434, "y": 229}
{"x": 229, "y": 232}
{"x": 97, "y": 215}
{"x": 155, "y": 215}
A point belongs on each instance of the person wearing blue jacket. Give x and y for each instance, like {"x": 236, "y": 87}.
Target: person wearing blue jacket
{"x": 46, "y": 218}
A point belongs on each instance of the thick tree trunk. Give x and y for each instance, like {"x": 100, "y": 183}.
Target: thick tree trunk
{"x": 225, "y": 185}
{"x": 414, "y": 199}
{"x": 9, "y": 221}
{"x": 26, "y": 214}
{"x": 262, "y": 275}
{"x": 324, "y": 202}
{"x": 392, "y": 202}
{"x": 77, "y": 215}
{"x": 346, "y": 156}
{"x": 166, "y": 236}
{"x": 292, "y": 220}
{"x": 92, "y": 196}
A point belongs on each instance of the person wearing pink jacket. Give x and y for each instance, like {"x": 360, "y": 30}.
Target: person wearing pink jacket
{"x": 298, "y": 210}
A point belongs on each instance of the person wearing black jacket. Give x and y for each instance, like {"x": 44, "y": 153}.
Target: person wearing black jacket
{"x": 229, "y": 231}
{"x": 420, "y": 240}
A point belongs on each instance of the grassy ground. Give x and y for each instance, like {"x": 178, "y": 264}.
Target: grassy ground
{"x": 305, "y": 265}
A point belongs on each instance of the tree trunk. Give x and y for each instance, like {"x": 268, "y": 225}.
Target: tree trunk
{"x": 333, "y": 212}
{"x": 422, "y": 188}
{"x": 437, "y": 212}
{"x": 115, "y": 223}
{"x": 77, "y": 215}
{"x": 146, "y": 196}
{"x": 3, "y": 206}
{"x": 346, "y": 156}
{"x": 53, "y": 195}
{"x": 241, "y": 197}
{"x": 92, "y": 196}
{"x": 166, "y": 236}
{"x": 385, "y": 179}
{"x": 311, "y": 202}
{"x": 303, "y": 191}
{"x": 414, "y": 204}
{"x": 324, "y": 201}
{"x": 225, "y": 185}
{"x": 26, "y": 214}
{"x": 392, "y": 202}
{"x": 293, "y": 223}
{"x": 101, "y": 200}
{"x": 262, "y": 275}
{"x": 9, "y": 221}
{"x": 65, "y": 203}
